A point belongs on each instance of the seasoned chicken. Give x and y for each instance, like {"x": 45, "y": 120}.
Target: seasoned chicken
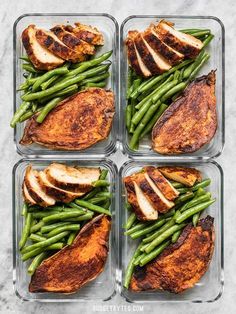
{"x": 161, "y": 183}
{"x": 70, "y": 178}
{"x": 78, "y": 122}
{"x": 181, "y": 265}
{"x": 31, "y": 181}
{"x": 153, "y": 40}
{"x": 77, "y": 264}
{"x": 27, "y": 196}
{"x": 134, "y": 57}
{"x": 41, "y": 57}
{"x": 51, "y": 42}
{"x": 189, "y": 122}
{"x": 140, "y": 204}
{"x": 89, "y": 34}
{"x": 186, "y": 44}
{"x": 186, "y": 176}
{"x": 155, "y": 63}
{"x": 72, "y": 41}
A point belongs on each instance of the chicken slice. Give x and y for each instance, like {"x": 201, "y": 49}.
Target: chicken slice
{"x": 70, "y": 178}
{"x": 155, "y": 63}
{"x": 31, "y": 182}
{"x": 134, "y": 57}
{"x": 153, "y": 40}
{"x": 41, "y": 57}
{"x": 162, "y": 183}
{"x": 27, "y": 196}
{"x": 89, "y": 34}
{"x": 186, "y": 176}
{"x": 50, "y": 41}
{"x": 140, "y": 204}
{"x": 72, "y": 41}
{"x": 55, "y": 192}
{"x": 183, "y": 43}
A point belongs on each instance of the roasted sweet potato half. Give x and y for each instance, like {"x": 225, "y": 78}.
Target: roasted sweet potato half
{"x": 77, "y": 264}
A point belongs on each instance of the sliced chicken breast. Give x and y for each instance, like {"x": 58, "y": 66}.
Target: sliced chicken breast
{"x": 184, "y": 43}
{"x": 140, "y": 205}
{"x": 70, "y": 178}
{"x": 156, "y": 199}
{"x": 162, "y": 184}
{"x": 41, "y": 57}
{"x": 50, "y": 41}
{"x": 89, "y": 34}
{"x": 27, "y": 196}
{"x": 155, "y": 63}
{"x": 186, "y": 176}
{"x": 134, "y": 57}
{"x": 72, "y": 41}
{"x": 35, "y": 190}
{"x": 59, "y": 194}
{"x": 154, "y": 41}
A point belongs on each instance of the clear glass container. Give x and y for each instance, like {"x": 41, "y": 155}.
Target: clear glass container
{"x": 109, "y": 27}
{"x": 216, "y": 49}
{"x": 104, "y": 286}
{"x": 210, "y": 286}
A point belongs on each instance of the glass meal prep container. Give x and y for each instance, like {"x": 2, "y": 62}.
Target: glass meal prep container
{"x": 109, "y": 27}
{"x": 104, "y": 286}
{"x": 215, "y": 49}
{"x": 210, "y": 286}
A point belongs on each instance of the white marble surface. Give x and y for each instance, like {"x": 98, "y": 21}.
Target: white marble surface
{"x": 120, "y": 9}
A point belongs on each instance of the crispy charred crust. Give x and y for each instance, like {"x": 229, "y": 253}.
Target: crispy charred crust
{"x": 132, "y": 56}
{"x": 77, "y": 264}
{"x": 185, "y": 172}
{"x": 180, "y": 265}
{"x": 146, "y": 56}
{"x": 92, "y": 36}
{"x": 190, "y": 122}
{"x": 92, "y": 109}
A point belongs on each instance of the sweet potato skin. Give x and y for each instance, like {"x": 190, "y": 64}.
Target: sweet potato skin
{"x": 77, "y": 264}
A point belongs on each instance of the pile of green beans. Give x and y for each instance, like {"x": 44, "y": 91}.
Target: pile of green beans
{"x": 47, "y": 230}
{"x": 43, "y": 90}
{"x": 156, "y": 235}
{"x": 147, "y": 99}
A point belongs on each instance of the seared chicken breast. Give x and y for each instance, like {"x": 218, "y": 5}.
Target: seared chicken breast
{"x": 27, "y": 196}
{"x": 89, "y": 34}
{"x": 77, "y": 264}
{"x": 78, "y": 122}
{"x": 181, "y": 265}
{"x": 40, "y": 56}
{"x": 189, "y": 122}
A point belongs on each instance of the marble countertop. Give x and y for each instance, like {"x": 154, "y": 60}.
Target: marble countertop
{"x": 9, "y": 11}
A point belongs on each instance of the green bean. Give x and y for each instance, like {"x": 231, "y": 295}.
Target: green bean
{"x": 22, "y": 109}
{"x": 183, "y": 190}
{"x": 201, "y": 33}
{"x": 152, "y": 122}
{"x": 162, "y": 237}
{"x": 196, "y": 70}
{"x": 130, "y": 268}
{"x": 48, "y": 75}
{"x": 164, "y": 90}
{"x": 71, "y": 238}
{"x": 196, "y": 201}
{"x": 148, "y": 229}
{"x": 98, "y": 200}
{"x": 184, "y": 197}
{"x": 130, "y": 221}
{"x": 47, "y": 83}
{"x": 93, "y": 207}
{"x": 142, "y": 249}
{"x": 25, "y": 231}
{"x": 45, "y": 111}
{"x": 48, "y": 228}
{"x": 138, "y": 259}
{"x": 137, "y": 227}
{"x": 80, "y": 218}
{"x": 30, "y": 254}
{"x": 61, "y": 216}
{"x": 36, "y": 262}
{"x": 100, "y": 183}
{"x": 25, "y": 58}
{"x": 136, "y": 84}
{"x": 45, "y": 243}
{"x": 207, "y": 40}
{"x": 24, "y": 210}
{"x": 36, "y": 238}
{"x": 71, "y": 227}
{"x": 175, "y": 236}
{"x": 37, "y": 227}
{"x": 106, "y": 194}
{"x": 30, "y": 68}
{"x": 202, "y": 184}
{"x": 195, "y": 219}
{"x": 192, "y": 66}
{"x": 142, "y": 125}
{"x": 176, "y": 89}
{"x": 168, "y": 214}
{"x": 97, "y": 78}
{"x": 154, "y": 235}
{"x": 160, "y": 77}
{"x": 96, "y": 84}
{"x": 43, "y": 213}
{"x": 107, "y": 204}
{"x": 65, "y": 83}
{"x": 65, "y": 92}
{"x": 146, "y": 259}
{"x": 177, "y": 184}
{"x": 193, "y": 210}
